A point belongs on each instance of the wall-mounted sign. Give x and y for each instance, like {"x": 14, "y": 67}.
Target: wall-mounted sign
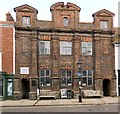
{"x": 24, "y": 70}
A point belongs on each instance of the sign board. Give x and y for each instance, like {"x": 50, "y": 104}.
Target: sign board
{"x": 24, "y": 70}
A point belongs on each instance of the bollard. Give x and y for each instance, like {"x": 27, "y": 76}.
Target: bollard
{"x": 80, "y": 98}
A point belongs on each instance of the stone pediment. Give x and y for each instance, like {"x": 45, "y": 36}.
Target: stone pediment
{"x": 103, "y": 12}
{"x": 61, "y": 6}
{"x": 25, "y": 8}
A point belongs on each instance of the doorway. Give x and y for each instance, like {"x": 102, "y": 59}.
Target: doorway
{"x": 25, "y": 88}
{"x": 106, "y": 87}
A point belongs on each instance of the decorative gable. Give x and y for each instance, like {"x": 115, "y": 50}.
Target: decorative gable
{"x": 62, "y": 15}
{"x": 25, "y": 8}
{"x": 103, "y": 20}
{"x": 104, "y": 12}
{"x": 26, "y": 15}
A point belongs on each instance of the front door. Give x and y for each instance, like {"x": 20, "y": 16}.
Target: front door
{"x": 25, "y": 88}
{"x": 106, "y": 87}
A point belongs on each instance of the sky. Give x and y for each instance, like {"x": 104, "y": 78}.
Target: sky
{"x": 88, "y": 7}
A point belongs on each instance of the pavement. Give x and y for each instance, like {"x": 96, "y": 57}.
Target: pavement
{"x": 59, "y": 102}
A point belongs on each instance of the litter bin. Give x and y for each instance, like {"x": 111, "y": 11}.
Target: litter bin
{"x": 80, "y": 98}
{"x": 69, "y": 94}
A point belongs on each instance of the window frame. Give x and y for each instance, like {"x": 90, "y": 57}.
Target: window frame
{"x": 104, "y": 24}
{"x": 87, "y": 77}
{"x": 86, "y": 48}
{"x": 65, "y": 49}
{"x": 65, "y": 21}
{"x": 45, "y": 77}
{"x": 45, "y": 50}
{"x": 66, "y": 77}
{"x": 26, "y": 20}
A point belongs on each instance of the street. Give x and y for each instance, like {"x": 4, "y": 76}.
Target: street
{"x": 76, "y": 108}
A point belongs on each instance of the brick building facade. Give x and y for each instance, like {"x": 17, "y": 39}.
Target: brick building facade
{"x": 7, "y": 53}
{"x": 47, "y": 52}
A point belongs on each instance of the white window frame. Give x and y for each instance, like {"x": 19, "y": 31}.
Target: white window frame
{"x": 26, "y": 20}
{"x": 86, "y": 48}
{"x": 66, "y": 77}
{"x": 65, "y": 48}
{"x": 103, "y": 24}
{"x": 87, "y": 76}
{"x": 44, "y": 77}
{"x": 45, "y": 49}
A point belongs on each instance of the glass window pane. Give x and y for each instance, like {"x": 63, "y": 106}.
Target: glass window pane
{"x": 69, "y": 73}
{"x": 42, "y": 73}
{"x": 42, "y": 81}
{"x": 90, "y": 72}
{"x": 26, "y": 20}
{"x": 89, "y": 81}
{"x": 47, "y": 73}
{"x": 63, "y": 72}
{"x": 65, "y": 48}
{"x": 65, "y": 21}
{"x": 84, "y": 72}
{"x": 103, "y": 24}
{"x": 47, "y": 80}
{"x": 83, "y": 44}
{"x": 63, "y": 81}
{"x": 69, "y": 81}
{"x": 84, "y": 80}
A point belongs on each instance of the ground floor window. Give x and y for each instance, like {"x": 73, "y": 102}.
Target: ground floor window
{"x": 1, "y": 87}
{"x": 87, "y": 77}
{"x": 45, "y": 77}
{"x": 66, "y": 77}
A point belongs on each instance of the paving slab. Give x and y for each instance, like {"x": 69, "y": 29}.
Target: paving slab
{"x": 59, "y": 102}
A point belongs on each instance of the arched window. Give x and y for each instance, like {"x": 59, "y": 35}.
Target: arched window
{"x": 65, "y": 21}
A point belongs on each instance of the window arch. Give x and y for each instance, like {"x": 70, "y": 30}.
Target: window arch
{"x": 65, "y": 21}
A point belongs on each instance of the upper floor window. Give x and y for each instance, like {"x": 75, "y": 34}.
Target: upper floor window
{"x": 103, "y": 24}
{"x": 26, "y": 20}
{"x": 65, "y": 48}
{"x": 44, "y": 47}
{"x": 86, "y": 48}
{"x": 65, "y": 21}
{"x": 45, "y": 79}
{"x": 66, "y": 77}
{"x": 87, "y": 77}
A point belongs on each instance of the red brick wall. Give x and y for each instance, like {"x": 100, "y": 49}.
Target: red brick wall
{"x": 7, "y": 49}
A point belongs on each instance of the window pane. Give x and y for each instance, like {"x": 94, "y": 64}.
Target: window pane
{"x": 85, "y": 80}
{"x": 47, "y": 80}
{"x": 90, "y": 72}
{"x": 63, "y": 72}
{"x": 26, "y": 20}
{"x": 89, "y": 81}
{"x": 69, "y": 73}
{"x": 42, "y": 81}
{"x": 63, "y": 81}
{"x": 47, "y": 72}
{"x": 84, "y": 72}
{"x": 44, "y": 47}
{"x": 83, "y": 44}
{"x": 104, "y": 24}
{"x": 65, "y": 21}
{"x": 69, "y": 81}
{"x": 65, "y": 48}
{"x": 42, "y": 73}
